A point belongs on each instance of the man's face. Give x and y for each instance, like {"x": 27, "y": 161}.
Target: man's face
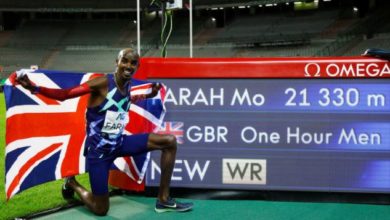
{"x": 127, "y": 63}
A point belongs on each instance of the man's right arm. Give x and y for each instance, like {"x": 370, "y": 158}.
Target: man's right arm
{"x": 60, "y": 94}
{"x": 64, "y": 94}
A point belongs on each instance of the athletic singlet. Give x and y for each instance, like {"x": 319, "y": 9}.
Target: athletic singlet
{"x": 107, "y": 121}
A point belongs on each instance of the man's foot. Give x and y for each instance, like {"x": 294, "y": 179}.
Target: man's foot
{"x": 173, "y": 206}
{"x": 67, "y": 191}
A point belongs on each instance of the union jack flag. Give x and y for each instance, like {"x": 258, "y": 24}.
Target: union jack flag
{"x": 45, "y": 137}
{"x": 174, "y": 128}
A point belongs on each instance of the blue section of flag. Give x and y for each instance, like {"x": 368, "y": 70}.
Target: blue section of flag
{"x": 45, "y": 171}
{"x": 20, "y": 100}
{"x": 12, "y": 156}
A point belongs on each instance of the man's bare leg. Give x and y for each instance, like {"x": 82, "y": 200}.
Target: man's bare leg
{"x": 99, "y": 205}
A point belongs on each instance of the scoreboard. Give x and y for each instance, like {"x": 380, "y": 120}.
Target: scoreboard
{"x": 318, "y": 124}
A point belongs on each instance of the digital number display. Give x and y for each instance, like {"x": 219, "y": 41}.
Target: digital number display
{"x": 279, "y": 134}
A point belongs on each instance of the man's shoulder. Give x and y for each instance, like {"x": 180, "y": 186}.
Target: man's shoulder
{"x": 99, "y": 81}
{"x": 101, "y": 78}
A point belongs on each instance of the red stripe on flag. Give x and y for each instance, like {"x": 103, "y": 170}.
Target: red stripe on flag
{"x": 122, "y": 181}
{"x": 48, "y": 101}
{"x": 139, "y": 124}
{"x": 131, "y": 167}
{"x": 163, "y": 93}
{"x": 146, "y": 86}
{"x": 70, "y": 166}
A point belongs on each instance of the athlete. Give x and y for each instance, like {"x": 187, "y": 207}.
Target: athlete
{"x": 107, "y": 117}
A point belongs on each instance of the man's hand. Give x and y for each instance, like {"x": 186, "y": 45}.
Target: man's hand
{"x": 24, "y": 81}
{"x": 155, "y": 88}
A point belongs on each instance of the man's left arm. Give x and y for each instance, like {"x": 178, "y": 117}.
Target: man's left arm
{"x": 155, "y": 88}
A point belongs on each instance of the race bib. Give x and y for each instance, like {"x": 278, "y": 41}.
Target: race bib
{"x": 115, "y": 122}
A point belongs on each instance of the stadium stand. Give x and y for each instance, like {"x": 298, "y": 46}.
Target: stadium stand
{"x": 4, "y": 36}
{"x": 76, "y": 5}
{"x": 37, "y": 34}
{"x": 272, "y": 28}
{"x": 19, "y": 58}
{"x": 218, "y": 50}
{"x": 380, "y": 41}
{"x": 94, "y": 33}
{"x": 85, "y": 60}
{"x": 351, "y": 36}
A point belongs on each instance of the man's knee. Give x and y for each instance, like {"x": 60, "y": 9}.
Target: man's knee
{"x": 162, "y": 142}
{"x": 101, "y": 210}
{"x": 172, "y": 142}
{"x": 101, "y": 205}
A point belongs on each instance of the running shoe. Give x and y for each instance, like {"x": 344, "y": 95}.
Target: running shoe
{"x": 173, "y": 206}
{"x": 67, "y": 191}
